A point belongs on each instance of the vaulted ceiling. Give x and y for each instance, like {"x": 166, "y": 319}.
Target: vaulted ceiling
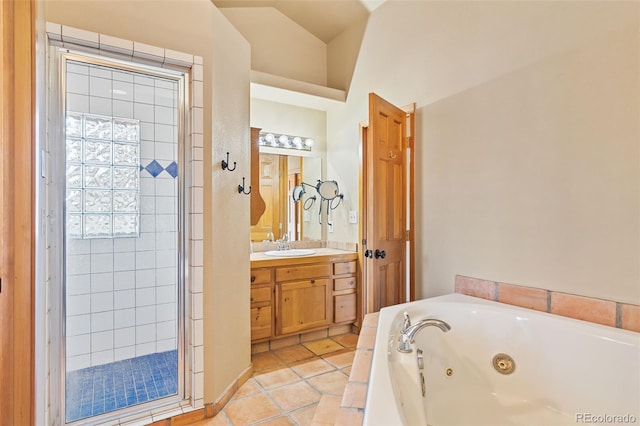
{"x": 325, "y": 19}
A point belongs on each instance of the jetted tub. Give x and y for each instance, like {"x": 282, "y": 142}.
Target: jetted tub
{"x": 567, "y": 371}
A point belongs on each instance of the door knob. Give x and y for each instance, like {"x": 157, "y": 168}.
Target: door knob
{"x": 380, "y": 254}
{"x": 368, "y": 253}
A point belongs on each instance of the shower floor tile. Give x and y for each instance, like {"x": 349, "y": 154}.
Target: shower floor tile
{"x": 97, "y": 390}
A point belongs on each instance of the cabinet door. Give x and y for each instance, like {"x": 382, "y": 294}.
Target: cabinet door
{"x": 302, "y": 305}
{"x": 260, "y": 323}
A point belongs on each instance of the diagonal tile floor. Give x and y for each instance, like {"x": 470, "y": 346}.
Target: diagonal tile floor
{"x": 290, "y": 384}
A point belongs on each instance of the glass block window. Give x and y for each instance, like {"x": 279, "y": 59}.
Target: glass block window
{"x": 103, "y": 176}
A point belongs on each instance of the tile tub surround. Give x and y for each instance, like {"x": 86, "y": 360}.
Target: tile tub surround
{"x": 600, "y": 311}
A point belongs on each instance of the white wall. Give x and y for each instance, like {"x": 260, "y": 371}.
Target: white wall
{"x": 528, "y": 166}
{"x": 342, "y": 55}
{"x": 227, "y": 297}
{"x": 280, "y": 46}
{"x": 293, "y": 120}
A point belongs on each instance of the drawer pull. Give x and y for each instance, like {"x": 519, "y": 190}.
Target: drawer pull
{"x": 253, "y": 278}
{"x": 313, "y": 281}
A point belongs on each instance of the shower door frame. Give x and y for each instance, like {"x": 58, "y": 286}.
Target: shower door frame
{"x": 56, "y": 249}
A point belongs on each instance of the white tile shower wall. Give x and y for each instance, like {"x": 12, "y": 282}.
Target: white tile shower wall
{"x": 122, "y": 292}
{"x": 124, "y": 107}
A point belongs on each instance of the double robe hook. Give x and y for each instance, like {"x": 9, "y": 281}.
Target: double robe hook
{"x": 241, "y": 188}
{"x": 225, "y": 164}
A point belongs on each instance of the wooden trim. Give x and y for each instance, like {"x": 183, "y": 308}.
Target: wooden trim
{"x": 223, "y": 399}
{"x": 17, "y": 24}
{"x": 411, "y": 116}
{"x": 283, "y": 184}
{"x": 362, "y": 303}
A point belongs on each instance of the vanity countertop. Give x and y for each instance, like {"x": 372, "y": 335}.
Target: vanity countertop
{"x": 259, "y": 259}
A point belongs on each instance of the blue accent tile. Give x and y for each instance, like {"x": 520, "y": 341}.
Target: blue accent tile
{"x": 172, "y": 169}
{"x": 154, "y": 168}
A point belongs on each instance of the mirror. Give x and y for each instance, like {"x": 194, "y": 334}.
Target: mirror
{"x": 281, "y": 178}
{"x": 328, "y": 189}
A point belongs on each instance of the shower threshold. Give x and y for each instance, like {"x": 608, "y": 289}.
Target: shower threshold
{"x": 103, "y": 388}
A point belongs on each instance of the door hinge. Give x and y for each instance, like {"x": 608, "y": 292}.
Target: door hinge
{"x": 364, "y": 241}
{"x": 407, "y": 235}
{"x": 407, "y": 141}
{"x": 43, "y": 164}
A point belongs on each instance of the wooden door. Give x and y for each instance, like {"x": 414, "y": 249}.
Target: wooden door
{"x": 302, "y": 305}
{"x": 273, "y": 220}
{"x": 385, "y": 234}
{"x": 17, "y": 261}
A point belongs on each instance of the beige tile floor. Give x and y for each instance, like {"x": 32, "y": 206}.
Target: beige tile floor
{"x": 296, "y": 385}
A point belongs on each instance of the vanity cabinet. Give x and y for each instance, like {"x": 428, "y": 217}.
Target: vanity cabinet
{"x": 297, "y": 297}
{"x": 261, "y": 304}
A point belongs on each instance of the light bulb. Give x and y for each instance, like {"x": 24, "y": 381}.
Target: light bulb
{"x": 308, "y": 142}
{"x": 284, "y": 140}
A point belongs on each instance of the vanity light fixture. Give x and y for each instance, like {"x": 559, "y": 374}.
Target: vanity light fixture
{"x": 277, "y": 140}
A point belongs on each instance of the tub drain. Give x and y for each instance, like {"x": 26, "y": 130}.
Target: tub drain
{"x": 503, "y": 364}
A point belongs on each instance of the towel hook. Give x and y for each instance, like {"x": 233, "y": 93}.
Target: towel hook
{"x": 225, "y": 164}
{"x": 241, "y": 188}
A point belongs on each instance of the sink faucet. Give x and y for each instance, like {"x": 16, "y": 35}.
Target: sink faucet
{"x": 283, "y": 243}
{"x": 409, "y": 331}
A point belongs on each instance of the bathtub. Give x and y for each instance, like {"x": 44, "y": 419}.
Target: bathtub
{"x": 567, "y": 371}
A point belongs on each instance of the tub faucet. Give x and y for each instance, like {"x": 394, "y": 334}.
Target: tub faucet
{"x": 409, "y": 332}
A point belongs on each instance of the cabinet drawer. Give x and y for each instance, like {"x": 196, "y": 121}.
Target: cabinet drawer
{"x": 344, "y": 308}
{"x": 260, "y": 294}
{"x": 260, "y": 322}
{"x": 348, "y": 283}
{"x": 303, "y": 272}
{"x": 344, "y": 268}
{"x": 260, "y": 276}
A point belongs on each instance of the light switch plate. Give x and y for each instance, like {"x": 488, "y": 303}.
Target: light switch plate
{"x": 353, "y": 216}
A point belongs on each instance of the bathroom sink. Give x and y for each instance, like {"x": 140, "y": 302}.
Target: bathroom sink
{"x": 290, "y": 253}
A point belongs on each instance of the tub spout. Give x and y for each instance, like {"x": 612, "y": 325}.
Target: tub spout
{"x": 409, "y": 334}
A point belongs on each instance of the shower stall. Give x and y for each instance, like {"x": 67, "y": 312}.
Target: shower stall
{"x": 117, "y": 159}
